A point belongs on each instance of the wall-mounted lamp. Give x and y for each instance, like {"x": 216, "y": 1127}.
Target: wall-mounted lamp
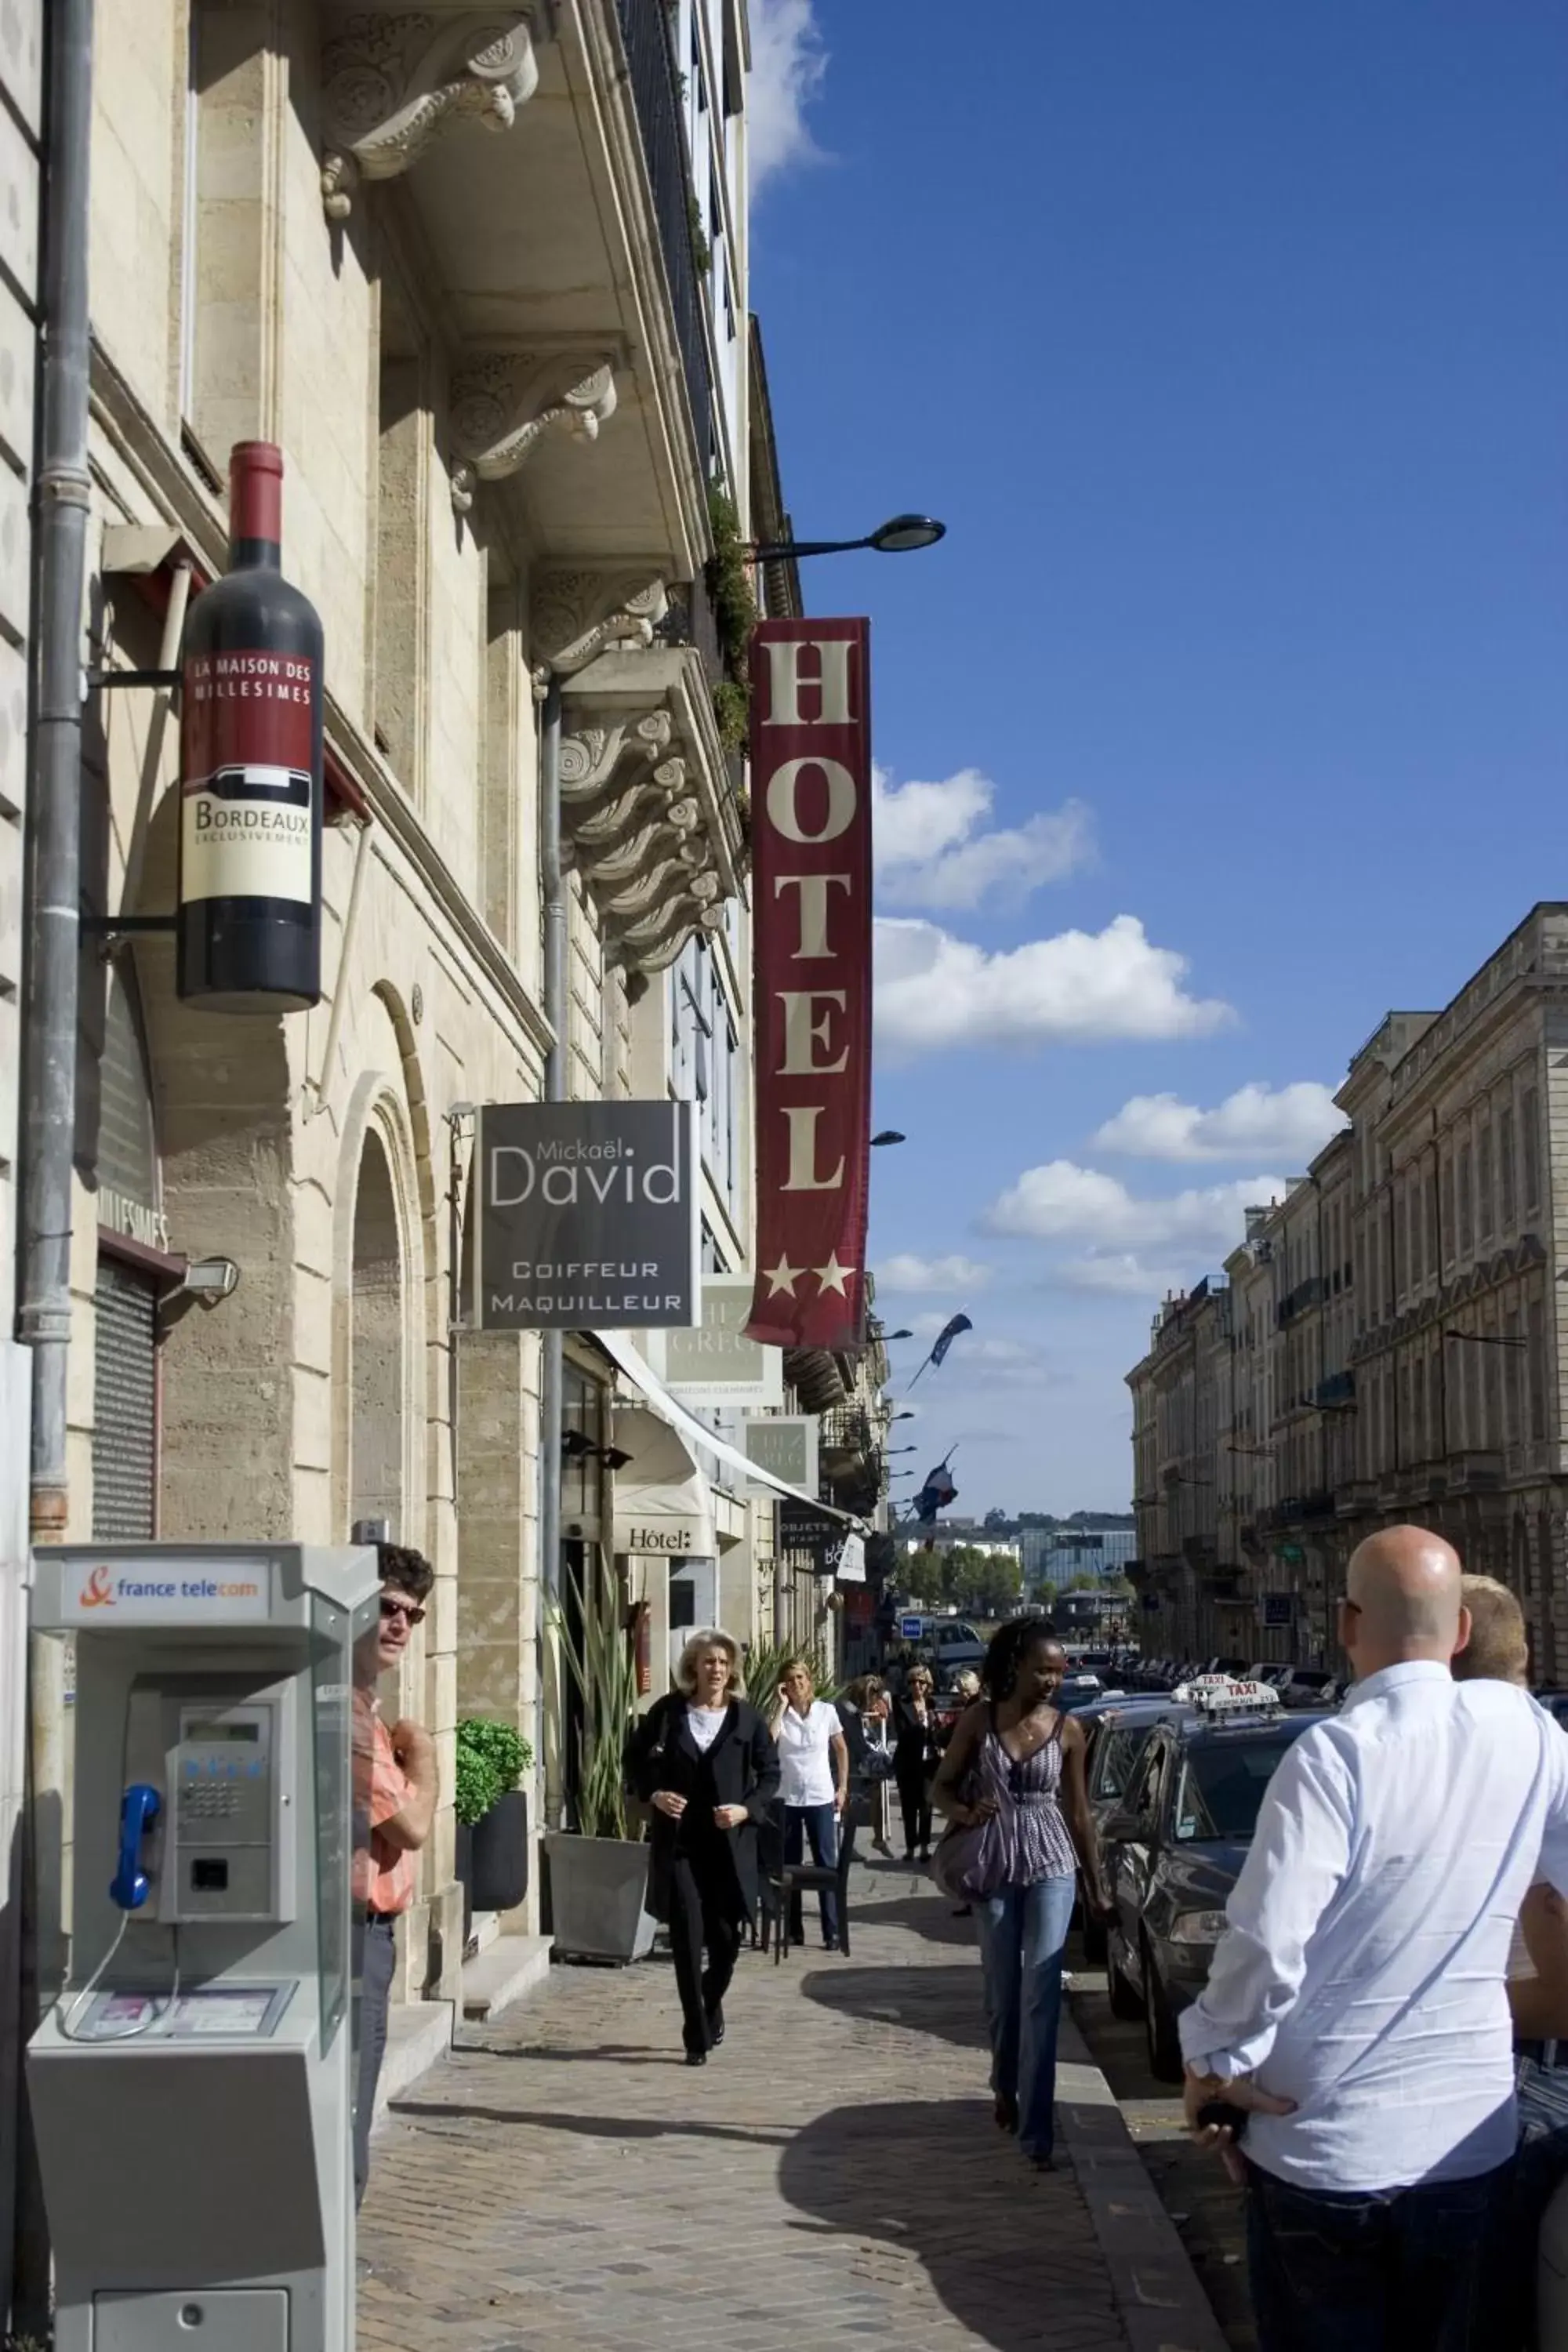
{"x": 211, "y": 1278}
{"x": 205, "y": 1280}
{"x": 888, "y": 1135}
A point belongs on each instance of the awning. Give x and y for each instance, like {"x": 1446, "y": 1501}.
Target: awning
{"x": 663, "y": 1505}
{"x": 658, "y": 1398}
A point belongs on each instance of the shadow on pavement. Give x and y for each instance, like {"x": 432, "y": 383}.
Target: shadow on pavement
{"x": 930, "y": 1914}
{"x": 938, "y": 2183}
{"x": 621, "y": 2054}
{"x": 615, "y": 2127}
{"x": 940, "y": 2002}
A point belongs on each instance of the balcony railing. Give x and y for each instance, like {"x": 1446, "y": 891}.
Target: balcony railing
{"x": 645, "y": 29}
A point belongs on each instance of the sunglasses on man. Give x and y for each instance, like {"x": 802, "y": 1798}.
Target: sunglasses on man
{"x": 409, "y": 1609}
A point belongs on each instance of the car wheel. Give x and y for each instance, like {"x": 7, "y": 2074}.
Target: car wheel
{"x": 1166, "y": 2062}
{"x": 1126, "y": 2000}
{"x": 1096, "y": 1941}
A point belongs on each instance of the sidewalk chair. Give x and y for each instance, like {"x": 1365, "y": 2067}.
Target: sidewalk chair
{"x": 795, "y": 1880}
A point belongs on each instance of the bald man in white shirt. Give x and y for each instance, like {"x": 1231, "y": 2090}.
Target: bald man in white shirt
{"x": 1356, "y": 2006}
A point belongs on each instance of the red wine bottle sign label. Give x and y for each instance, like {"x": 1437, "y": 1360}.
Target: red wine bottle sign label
{"x": 246, "y": 741}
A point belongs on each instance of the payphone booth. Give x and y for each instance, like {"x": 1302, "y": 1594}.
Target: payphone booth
{"x": 191, "y": 2086}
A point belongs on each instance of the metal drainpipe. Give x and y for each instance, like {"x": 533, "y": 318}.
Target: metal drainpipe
{"x": 550, "y": 1363}
{"x": 49, "y": 993}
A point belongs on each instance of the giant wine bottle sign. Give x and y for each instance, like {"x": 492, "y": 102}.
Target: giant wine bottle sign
{"x": 249, "y": 934}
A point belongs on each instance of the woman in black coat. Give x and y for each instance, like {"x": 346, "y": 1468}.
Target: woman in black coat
{"x": 705, "y": 1761}
{"x": 916, "y": 1753}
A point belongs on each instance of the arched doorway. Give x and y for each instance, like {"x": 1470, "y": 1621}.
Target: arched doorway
{"x": 377, "y": 1448}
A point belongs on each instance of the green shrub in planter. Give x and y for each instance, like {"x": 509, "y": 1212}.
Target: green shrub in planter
{"x": 491, "y": 1759}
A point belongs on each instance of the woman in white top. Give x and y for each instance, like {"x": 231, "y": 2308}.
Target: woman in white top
{"x": 814, "y": 1759}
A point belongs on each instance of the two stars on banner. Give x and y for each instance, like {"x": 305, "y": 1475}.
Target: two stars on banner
{"x": 831, "y": 1276}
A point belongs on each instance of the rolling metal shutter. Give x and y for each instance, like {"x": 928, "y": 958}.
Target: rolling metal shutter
{"x": 125, "y": 1404}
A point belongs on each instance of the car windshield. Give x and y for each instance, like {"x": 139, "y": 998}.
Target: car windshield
{"x": 1220, "y": 1788}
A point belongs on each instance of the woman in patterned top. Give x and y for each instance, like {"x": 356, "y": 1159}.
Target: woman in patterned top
{"x": 1016, "y": 1760}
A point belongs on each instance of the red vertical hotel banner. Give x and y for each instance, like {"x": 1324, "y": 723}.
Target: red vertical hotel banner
{"x": 811, "y": 839}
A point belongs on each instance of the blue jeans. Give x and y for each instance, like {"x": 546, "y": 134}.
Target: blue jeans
{"x": 820, "y": 1824}
{"x": 1397, "y": 2269}
{"x": 1022, "y": 1932}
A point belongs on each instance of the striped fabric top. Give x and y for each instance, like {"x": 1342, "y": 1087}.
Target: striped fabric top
{"x": 1035, "y": 1837}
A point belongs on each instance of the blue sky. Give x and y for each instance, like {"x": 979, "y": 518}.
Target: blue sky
{"x": 1231, "y": 343}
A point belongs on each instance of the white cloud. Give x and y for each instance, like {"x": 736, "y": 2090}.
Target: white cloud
{"x": 1120, "y": 1276}
{"x": 939, "y": 1274}
{"x": 931, "y": 852}
{"x": 1063, "y": 1202}
{"x": 935, "y": 991}
{"x": 1289, "y": 1123}
{"x": 788, "y": 63}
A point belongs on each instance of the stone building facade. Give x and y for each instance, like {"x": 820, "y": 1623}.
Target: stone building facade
{"x": 484, "y": 280}
{"x": 1396, "y": 1334}
{"x": 21, "y": 144}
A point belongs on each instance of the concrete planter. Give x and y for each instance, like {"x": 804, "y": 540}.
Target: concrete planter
{"x": 598, "y": 1897}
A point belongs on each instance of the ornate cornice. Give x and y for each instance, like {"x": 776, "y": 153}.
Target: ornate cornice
{"x": 504, "y": 403}
{"x": 392, "y": 80}
{"x": 577, "y": 614}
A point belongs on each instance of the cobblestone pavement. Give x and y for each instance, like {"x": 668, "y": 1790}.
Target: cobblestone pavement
{"x": 1197, "y": 2193}
{"x": 833, "y": 2175}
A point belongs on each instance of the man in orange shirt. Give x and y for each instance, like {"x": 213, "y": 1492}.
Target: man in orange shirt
{"x": 395, "y": 1803}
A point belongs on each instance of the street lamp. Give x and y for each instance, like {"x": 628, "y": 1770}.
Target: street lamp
{"x": 888, "y": 1135}
{"x": 900, "y": 535}
{"x": 896, "y": 1335}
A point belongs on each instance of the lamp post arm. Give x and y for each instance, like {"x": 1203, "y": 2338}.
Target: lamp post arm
{"x": 789, "y": 550}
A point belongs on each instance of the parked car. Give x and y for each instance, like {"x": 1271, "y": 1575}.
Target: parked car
{"x": 1078, "y": 1689}
{"x": 1116, "y": 1731}
{"x": 1175, "y": 1848}
{"x": 1303, "y": 1685}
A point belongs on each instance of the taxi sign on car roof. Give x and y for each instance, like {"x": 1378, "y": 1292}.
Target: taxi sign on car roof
{"x": 1227, "y": 1694}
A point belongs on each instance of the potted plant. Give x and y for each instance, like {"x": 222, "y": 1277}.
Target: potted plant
{"x": 599, "y": 1871}
{"x": 493, "y": 1816}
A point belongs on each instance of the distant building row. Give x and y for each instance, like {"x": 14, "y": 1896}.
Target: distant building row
{"x": 1389, "y": 1342}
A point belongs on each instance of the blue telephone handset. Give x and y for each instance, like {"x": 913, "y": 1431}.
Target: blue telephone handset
{"x": 139, "y": 1809}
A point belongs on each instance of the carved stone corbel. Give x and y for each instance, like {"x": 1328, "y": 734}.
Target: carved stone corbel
{"x": 577, "y": 614}
{"x": 591, "y": 755}
{"x": 621, "y": 864}
{"x": 656, "y": 887}
{"x": 685, "y": 921}
{"x": 504, "y": 403}
{"x": 391, "y": 81}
